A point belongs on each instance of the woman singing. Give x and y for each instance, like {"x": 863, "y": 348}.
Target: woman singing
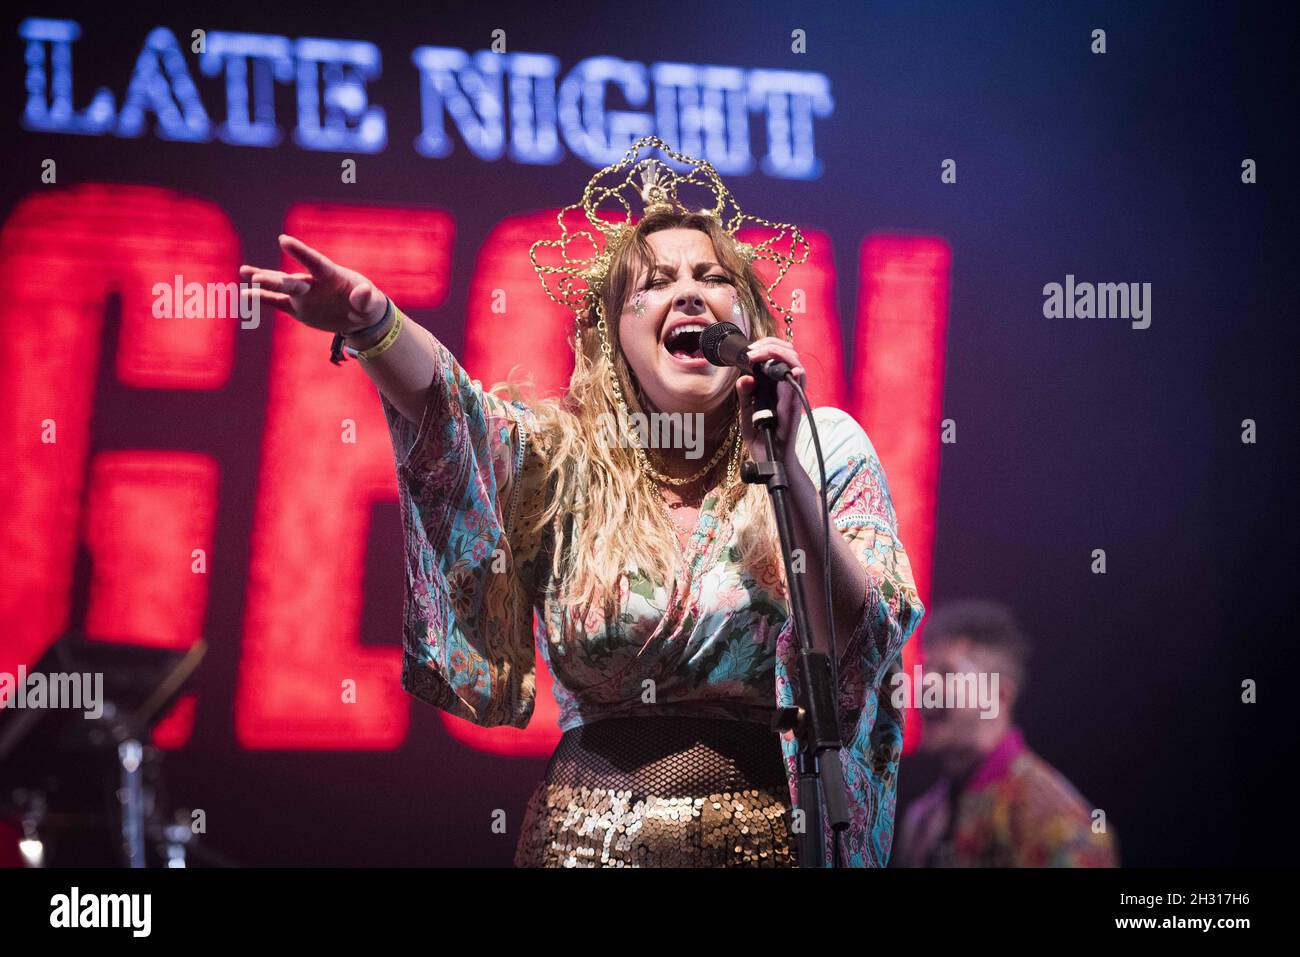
{"x": 655, "y": 573}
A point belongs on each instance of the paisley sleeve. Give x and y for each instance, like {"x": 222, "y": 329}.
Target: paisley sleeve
{"x": 871, "y": 727}
{"x": 467, "y": 474}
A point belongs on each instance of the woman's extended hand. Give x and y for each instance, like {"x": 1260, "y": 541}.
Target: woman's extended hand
{"x": 329, "y": 296}
{"x": 789, "y": 410}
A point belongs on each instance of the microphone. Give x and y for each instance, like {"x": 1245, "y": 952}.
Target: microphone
{"x": 723, "y": 344}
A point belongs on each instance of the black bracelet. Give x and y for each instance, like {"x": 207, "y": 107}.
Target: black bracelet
{"x": 336, "y": 346}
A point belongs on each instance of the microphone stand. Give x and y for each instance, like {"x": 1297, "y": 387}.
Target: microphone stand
{"x": 813, "y": 718}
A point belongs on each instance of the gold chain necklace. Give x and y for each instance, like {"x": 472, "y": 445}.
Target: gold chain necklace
{"x": 733, "y": 476}
{"x": 732, "y": 435}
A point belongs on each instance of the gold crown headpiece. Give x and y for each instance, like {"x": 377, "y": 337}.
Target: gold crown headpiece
{"x": 577, "y": 279}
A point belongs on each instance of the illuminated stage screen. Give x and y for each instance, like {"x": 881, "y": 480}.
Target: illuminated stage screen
{"x": 181, "y": 472}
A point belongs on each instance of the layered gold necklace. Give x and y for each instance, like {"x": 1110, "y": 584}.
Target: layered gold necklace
{"x": 656, "y": 479}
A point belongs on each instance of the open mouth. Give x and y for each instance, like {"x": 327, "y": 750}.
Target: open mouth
{"x": 684, "y": 343}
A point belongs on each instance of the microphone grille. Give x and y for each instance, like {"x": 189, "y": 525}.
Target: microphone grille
{"x": 711, "y": 338}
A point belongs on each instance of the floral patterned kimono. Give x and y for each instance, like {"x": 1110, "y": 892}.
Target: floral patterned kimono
{"x": 720, "y": 645}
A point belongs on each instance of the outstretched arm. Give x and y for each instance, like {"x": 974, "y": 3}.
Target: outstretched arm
{"x": 334, "y": 298}
{"x": 466, "y": 466}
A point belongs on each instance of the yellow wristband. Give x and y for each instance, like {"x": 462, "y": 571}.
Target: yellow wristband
{"x": 380, "y": 346}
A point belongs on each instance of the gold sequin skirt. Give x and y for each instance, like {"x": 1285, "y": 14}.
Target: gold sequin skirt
{"x": 661, "y": 792}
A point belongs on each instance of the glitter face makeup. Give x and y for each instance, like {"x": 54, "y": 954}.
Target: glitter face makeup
{"x": 738, "y": 312}
{"x": 638, "y": 304}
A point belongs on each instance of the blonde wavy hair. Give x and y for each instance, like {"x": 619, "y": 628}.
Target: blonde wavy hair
{"x": 618, "y": 519}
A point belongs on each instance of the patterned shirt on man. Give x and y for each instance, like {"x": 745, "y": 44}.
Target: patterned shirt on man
{"x": 1014, "y": 810}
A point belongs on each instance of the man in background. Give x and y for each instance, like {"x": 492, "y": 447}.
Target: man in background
{"x": 997, "y": 803}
